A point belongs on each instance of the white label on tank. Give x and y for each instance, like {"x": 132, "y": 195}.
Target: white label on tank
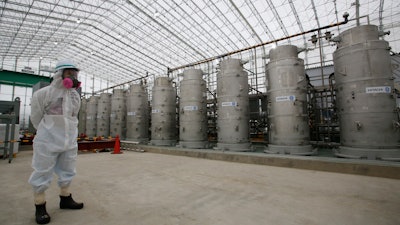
{"x": 190, "y": 108}
{"x": 131, "y": 113}
{"x": 89, "y": 118}
{"x": 112, "y": 115}
{"x": 291, "y": 98}
{"x": 382, "y": 89}
{"x": 155, "y": 111}
{"x": 229, "y": 104}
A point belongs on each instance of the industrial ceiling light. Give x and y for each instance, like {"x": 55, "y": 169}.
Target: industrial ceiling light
{"x": 78, "y": 21}
{"x": 314, "y": 39}
{"x": 328, "y": 35}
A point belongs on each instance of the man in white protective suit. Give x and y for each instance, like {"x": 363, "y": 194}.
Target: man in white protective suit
{"x": 54, "y": 115}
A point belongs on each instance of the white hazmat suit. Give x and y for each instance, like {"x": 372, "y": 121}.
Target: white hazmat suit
{"x": 54, "y": 115}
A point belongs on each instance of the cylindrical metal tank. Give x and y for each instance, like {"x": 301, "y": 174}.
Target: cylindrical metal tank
{"x": 82, "y": 117}
{"x": 233, "y": 106}
{"x": 163, "y": 113}
{"x": 137, "y": 115}
{"x": 118, "y": 114}
{"x": 91, "y": 116}
{"x": 369, "y": 123}
{"x": 287, "y": 99}
{"x": 193, "y": 110}
{"x": 103, "y": 115}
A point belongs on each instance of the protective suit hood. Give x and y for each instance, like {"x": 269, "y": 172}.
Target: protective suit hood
{"x": 57, "y": 80}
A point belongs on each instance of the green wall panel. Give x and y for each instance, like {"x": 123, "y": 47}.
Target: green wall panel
{"x": 20, "y": 79}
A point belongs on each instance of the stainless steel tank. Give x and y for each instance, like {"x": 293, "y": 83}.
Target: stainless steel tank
{"x": 137, "y": 115}
{"x": 369, "y": 124}
{"x": 193, "y": 110}
{"x": 163, "y": 113}
{"x": 103, "y": 115}
{"x": 287, "y": 98}
{"x": 82, "y": 117}
{"x": 118, "y": 114}
{"x": 91, "y": 116}
{"x": 233, "y": 106}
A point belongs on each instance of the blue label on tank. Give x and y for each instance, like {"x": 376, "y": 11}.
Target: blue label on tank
{"x": 223, "y": 104}
{"x": 190, "y": 108}
{"x": 381, "y": 89}
{"x": 291, "y": 98}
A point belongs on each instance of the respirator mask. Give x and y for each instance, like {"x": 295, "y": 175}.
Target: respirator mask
{"x": 71, "y": 81}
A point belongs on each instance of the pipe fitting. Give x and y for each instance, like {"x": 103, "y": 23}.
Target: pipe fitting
{"x": 358, "y": 125}
{"x": 396, "y": 124}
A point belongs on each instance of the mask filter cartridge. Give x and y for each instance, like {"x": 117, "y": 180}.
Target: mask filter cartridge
{"x": 71, "y": 83}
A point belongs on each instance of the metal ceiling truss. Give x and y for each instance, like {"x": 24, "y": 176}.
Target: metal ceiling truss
{"x": 119, "y": 41}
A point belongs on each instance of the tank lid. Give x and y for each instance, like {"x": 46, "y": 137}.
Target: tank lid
{"x": 283, "y": 52}
{"x": 357, "y": 35}
{"x": 118, "y": 91}
{"x": 163, "y": 81}
{"x": 192, "y": 74}
{"x": 231, "y": 63}
{"x": 105, "y": 94}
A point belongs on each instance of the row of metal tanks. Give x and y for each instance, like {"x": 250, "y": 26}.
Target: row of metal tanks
{"x": 364, "y": 88}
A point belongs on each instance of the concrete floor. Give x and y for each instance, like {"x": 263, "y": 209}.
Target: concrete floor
{"x": 151, "y": 189}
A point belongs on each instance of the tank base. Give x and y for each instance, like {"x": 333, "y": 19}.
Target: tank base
{"x": 239, "y": 147}
{"x": 143, "y": 141}
{"x": 193, "y": 144}
{"x": 163, "y": 142}
{"x": 371, "y": 154}
{"x": 292, "y": 150}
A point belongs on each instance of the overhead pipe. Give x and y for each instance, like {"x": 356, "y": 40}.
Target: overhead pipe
{"x": 345, "y": 16}
{"x": 112, "y": 87}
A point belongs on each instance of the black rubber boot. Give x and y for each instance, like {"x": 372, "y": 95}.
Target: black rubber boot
{"x": 42, "y": 217}
{"x": 69, "y": 203}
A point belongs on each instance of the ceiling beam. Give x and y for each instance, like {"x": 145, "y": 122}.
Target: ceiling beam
{"x": 165, "y": 28}
{"x": 253, "y": 32}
